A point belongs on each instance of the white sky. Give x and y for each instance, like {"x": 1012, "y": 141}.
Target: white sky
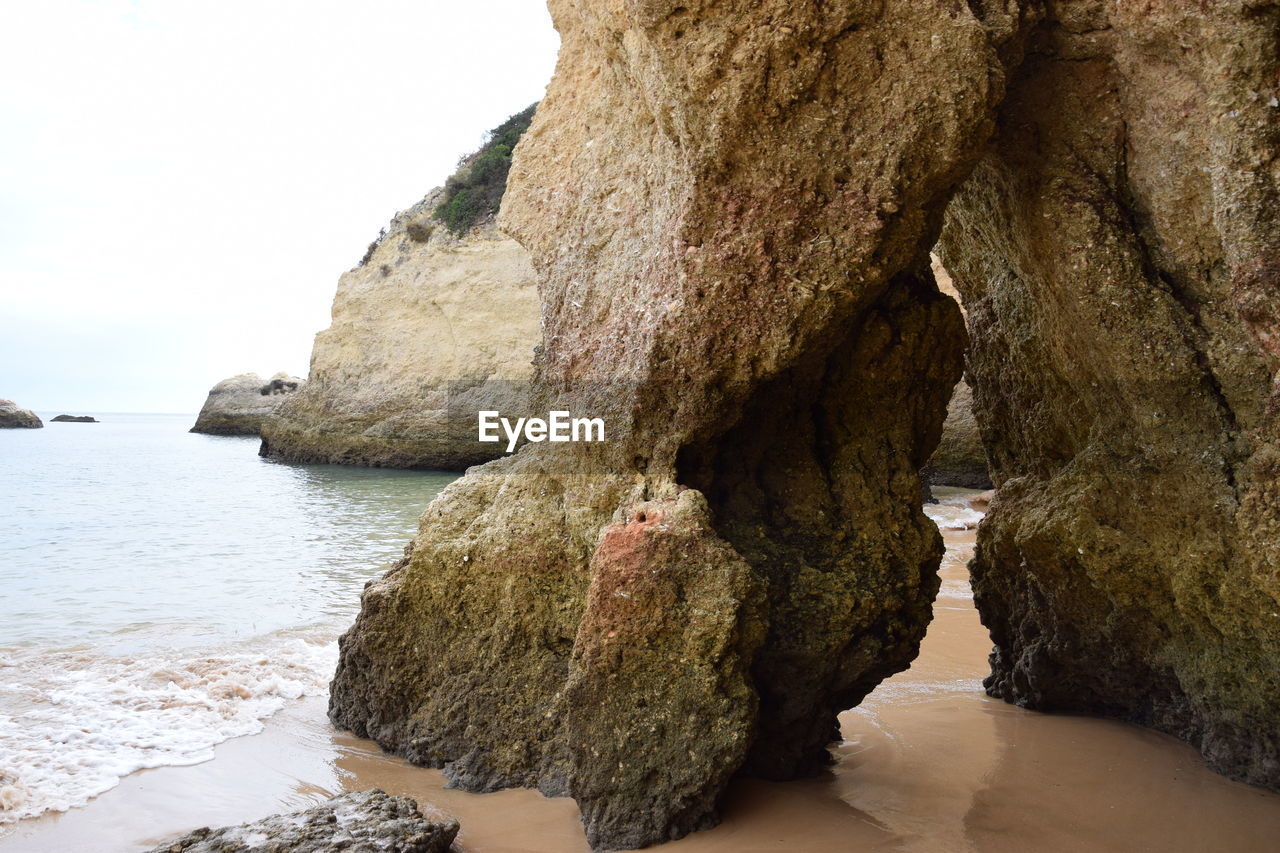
{"x": 182, "y": 183}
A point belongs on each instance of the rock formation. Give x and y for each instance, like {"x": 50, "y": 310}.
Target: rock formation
{"x": 239, "y": 405}
{"x": 1118, "y": 251}
{"x": 428, "y": 330}
{"x": 365, "y": 821}
{"x": 960, "y": 459}
{"x": 730, "y": 209}
{"x": 73, "y": 419}
{"x": 12, "y": 416}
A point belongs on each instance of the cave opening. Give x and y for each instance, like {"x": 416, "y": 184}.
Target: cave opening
{"x": 818, "y": 485}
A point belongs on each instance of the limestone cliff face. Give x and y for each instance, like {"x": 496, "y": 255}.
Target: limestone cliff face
{"x": 730, "y": 207}
{"x": 239, "y": 405}
{"x": 13, "y": 416}
{"x": 1119, "y": 255}
{"x": 426, "y": 331}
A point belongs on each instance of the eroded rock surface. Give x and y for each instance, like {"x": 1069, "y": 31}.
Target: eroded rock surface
{"x": 428, "y": 330}
{"x": 358, "y": 822}
{"x": 239, "y": 405}
{"x": 730, "y": 208}
{"x": 13, "y": 416}
{"x": 1119, "y": 255}
{"x": 960, "y": 459}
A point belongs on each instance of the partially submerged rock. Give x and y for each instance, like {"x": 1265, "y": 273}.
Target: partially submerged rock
{"x": 427, "y": 331}
{"x": 239, "y": 405}
{"x": 363, "y": 822}
{"x": 12, "y": 416}
{"x": 73, "y": 419}
{"x": 731, "y": 218}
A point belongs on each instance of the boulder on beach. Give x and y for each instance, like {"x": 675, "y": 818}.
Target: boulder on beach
{"x": 365, "y": 820}
{"x": 73, "y": 419}
{"x": 239, "y": 405}
{"x": 13, "y": 416}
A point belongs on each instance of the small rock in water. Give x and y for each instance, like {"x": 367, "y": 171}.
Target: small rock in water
{"x": 240, "y": 405}
{"x": 74, "y": 419}
{"x": 359, "y": 822}
{"x": 13, "y": 416}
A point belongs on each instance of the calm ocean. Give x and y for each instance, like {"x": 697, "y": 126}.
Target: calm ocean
{"x": 161, "y": 592}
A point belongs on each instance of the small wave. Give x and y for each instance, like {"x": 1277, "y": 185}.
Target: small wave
{"x": 958, "y": 590}
{"x": 73, "y": 723}
{"x": 903, "y": 692}
{"x": 953, "y": 516}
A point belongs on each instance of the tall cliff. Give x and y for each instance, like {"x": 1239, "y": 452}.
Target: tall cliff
{"x": 1118, "y": 250}
{"x": 428, "y": 329}
{"x": 730, "y": 207}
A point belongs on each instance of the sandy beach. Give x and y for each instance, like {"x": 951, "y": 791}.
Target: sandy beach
{"x": 928, "y": 763}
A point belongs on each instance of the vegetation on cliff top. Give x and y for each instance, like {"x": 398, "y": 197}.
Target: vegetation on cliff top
{"x": 474, "y": 192}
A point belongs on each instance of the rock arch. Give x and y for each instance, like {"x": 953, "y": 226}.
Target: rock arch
{"x": 730, "y": 206}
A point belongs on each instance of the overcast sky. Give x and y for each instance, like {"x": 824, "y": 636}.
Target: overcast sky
{"x": 182, "y": 183}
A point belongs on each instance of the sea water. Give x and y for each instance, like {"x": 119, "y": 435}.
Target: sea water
{"x": 161, "y": 592}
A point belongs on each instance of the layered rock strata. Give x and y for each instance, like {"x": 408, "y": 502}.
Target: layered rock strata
{"x": 364, "y": 821}
{"x": 239, "y": 405}
{"x": 13, "y": 416}
{"x": 730, "y": 208}
{"x": 1118, "y": 251}
{"x": 428, "y": 330}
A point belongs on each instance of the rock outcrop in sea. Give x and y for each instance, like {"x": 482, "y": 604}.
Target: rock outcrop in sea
{"x": 361, "y": 821}
{"x": 730, "y": 209}
{"x": 239, "y": 405}
{"x": 73, "y": 419}
{"x": 13, "y": 416}
{"x": 429, "y": 329}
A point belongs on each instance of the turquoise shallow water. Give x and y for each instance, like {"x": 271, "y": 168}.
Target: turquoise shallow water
{"x": 161, "y": 591}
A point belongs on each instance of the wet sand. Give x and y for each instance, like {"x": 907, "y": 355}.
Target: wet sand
{"x": 929, "y": 764}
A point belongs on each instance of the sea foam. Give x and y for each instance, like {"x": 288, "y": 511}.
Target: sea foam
{"x": 73, "y": 723}
{"x": 953, "y": 514}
